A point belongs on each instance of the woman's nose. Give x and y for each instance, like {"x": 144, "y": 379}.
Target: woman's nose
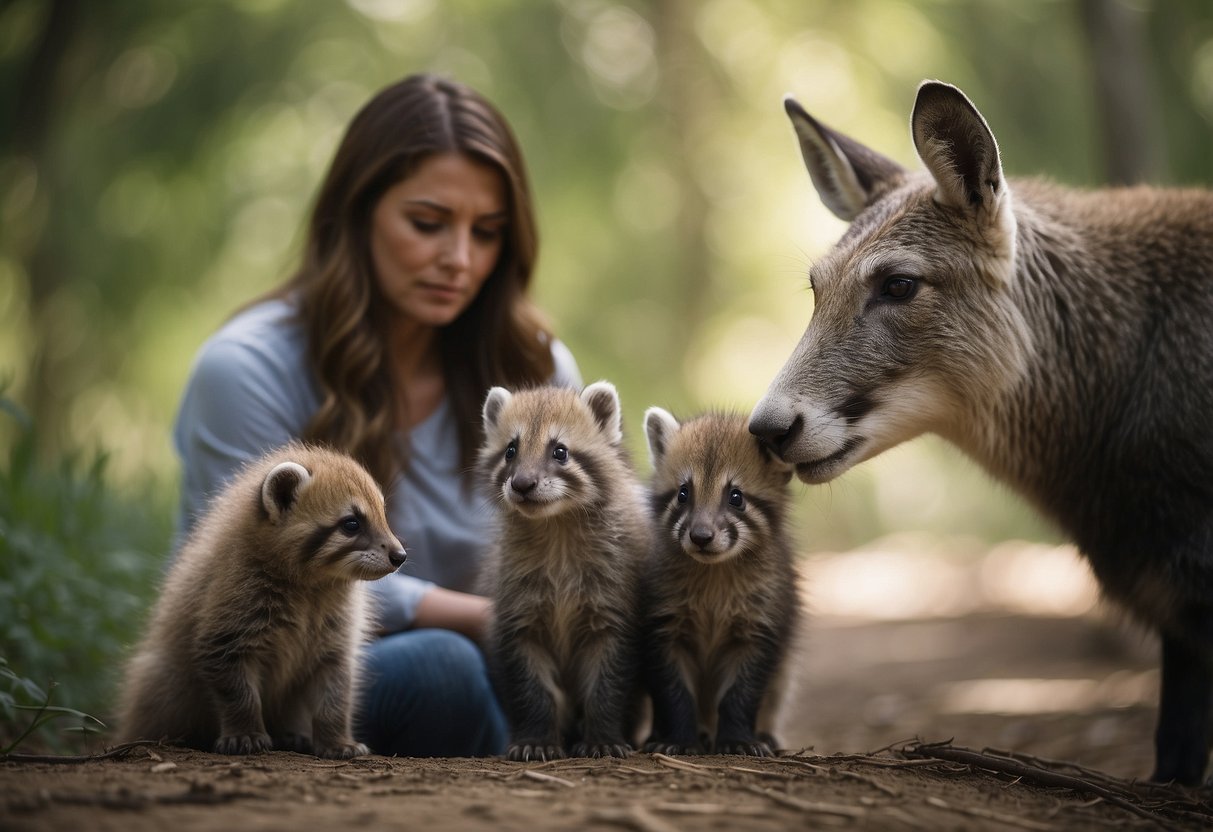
{"x": 457, "y": 254}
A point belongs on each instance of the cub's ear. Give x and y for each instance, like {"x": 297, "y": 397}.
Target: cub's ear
{"x": 497, "y": 399}
{"x": 603, "y": 401}
{"x": 282, "y": 487}
{"x": 775, "y": 462}
{"x": 659, "y": 428}
{"x": 848, "y": 175}
{"x": 958, "y": 148}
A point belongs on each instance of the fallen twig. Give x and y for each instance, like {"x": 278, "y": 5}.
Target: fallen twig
{"x": 116, "y": 751}
{"x": 1114, "y": 794}
{"x": 635, "y": 817}
{"x": 816, "y": 807}
{"x": 708, "y": 809}
{"x": 986, "y": 814}
{"x": 681, "y": 765}
{"x": 548, "y": 778}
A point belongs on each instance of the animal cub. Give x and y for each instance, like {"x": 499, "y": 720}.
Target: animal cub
{"x": 720, "y": 594}
{"x": 253, "y": 642}
{"x": 564, "y": 575}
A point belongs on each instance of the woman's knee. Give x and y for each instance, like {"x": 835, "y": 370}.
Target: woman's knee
{"x": 428, "y": 693}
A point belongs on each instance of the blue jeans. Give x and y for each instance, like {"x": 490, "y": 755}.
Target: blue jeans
{"x": 426, "y": 693}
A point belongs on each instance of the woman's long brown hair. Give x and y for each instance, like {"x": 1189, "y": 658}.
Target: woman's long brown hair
{"x": 500, "y": 339}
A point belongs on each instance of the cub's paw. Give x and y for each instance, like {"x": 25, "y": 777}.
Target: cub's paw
{"x": 528, "y": 752}
{"x": 343, "y": 750}
{"x": 243, "y": 744}
{"x": 601, "y": 749}
{"x": 300, "y": 743}
{"x": 672, "y": 749}
{"x": 748, "y": 748}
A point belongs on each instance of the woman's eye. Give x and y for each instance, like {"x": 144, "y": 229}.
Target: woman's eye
{"x": 488, "y": 235}
{"x": 684, "y": 493}
{"x": 736, "y": 498}
{"x": 899, "y": 287}
{"x": 426, "y": 226}
{"x": 350, "y": 525}
{"x": 560, "y": 453}
{"x": 511, "y": 451}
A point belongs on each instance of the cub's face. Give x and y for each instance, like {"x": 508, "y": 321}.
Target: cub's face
{"x": 330, "y": 512}
{"x": 717, "y": 493}
{"x": 545, "y": 448}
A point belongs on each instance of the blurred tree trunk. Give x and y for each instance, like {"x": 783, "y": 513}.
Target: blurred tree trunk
{"x": 1128, "y": 116}
{"x": 688, "y": 96}
{"x": 39, "y": 98}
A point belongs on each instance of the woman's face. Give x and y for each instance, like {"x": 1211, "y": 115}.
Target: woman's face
{"x": 436, "y": 236}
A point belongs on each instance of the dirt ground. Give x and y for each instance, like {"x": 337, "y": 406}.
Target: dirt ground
{"x": 1077, "y": 688}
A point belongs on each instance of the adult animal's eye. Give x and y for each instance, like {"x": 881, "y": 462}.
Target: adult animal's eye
{"x": 736, "y": 498}
{"x": 560, "y": 453}
{"x": 350, "y": 525}
{"x": 899, "y": 287}
{"x": 511, "y": 451}
{"x": 684, "y": 493}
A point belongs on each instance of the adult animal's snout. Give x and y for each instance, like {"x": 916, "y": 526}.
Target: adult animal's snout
{"x": 524, "y": 483}
{"x": 776, "y": 432}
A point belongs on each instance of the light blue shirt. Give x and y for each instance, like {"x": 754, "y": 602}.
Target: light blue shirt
{"x": 250, "y": 391}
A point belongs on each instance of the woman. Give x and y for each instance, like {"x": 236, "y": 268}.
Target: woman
{"x": 409, "y": 304}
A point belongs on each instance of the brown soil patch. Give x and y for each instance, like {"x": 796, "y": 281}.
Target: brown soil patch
{"x": 861, "y": 687}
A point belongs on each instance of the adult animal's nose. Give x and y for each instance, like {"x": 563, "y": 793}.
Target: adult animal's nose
{"x": 777, "y": 431}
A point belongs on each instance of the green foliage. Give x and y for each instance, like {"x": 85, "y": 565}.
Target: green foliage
{"x": 78, "y": 563}
{"x": 18, "y": 688}
{"x": 163, "y": 157}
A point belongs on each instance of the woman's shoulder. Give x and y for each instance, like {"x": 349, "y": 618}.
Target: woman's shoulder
{"x": 261, "y": 346}
{"x": 268, "y": 331}
{"x": 566, "y": 372}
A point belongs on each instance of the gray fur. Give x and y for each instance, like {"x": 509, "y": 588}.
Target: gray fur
{"x": 721, "y": 601}
{"x": 1062, "y": 339}
{"x": 564, "y": 573}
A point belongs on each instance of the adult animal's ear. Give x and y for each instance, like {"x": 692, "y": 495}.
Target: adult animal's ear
{"x": 659, "y": 428}
{"x": 958, "y": 148}
{"x": 282, "y": 487}
{"x": 603, "y": 401}
{"x": 848, "y": 175}
{"x": 497, "y": 399}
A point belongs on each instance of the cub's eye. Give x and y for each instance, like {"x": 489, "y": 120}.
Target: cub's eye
{"x": 899, "y": 287}
{"x": 511, "y": 451}
{"x": 350, "y": 525}
{"x": 560, "y": 453}
{"x": 736, "y": 498}
{"x": 684, "y": 493}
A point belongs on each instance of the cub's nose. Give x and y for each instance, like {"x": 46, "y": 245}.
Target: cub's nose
{"x": 397, "y": 557}
{"x": 523, "y": 483}
{"x": 702, "y": 535}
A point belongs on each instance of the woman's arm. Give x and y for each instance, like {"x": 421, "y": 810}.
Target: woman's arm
{"x": 459, "y": 611}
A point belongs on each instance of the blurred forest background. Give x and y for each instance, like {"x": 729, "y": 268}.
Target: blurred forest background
{"x": 157, "y": 160}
